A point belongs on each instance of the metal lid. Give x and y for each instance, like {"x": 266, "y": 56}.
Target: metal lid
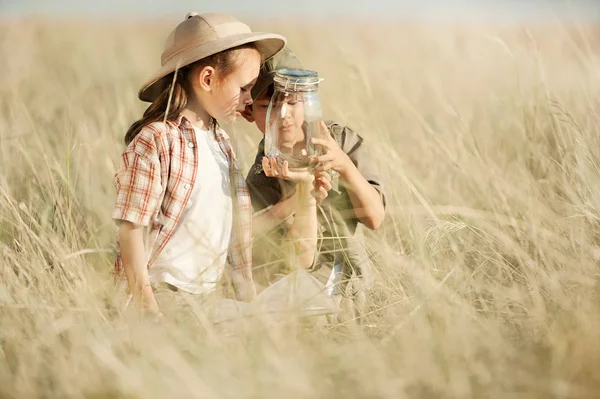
{"x": 296, "y": 80}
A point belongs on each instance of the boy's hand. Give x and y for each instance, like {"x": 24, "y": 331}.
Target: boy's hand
{"x": 334, "y": 158}
{"x": 322, "y": 185}
{"x": 273, "y": 168}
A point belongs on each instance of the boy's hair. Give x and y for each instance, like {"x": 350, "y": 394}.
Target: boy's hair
{"x": 284, "y": 59}
{"x": 266, "y": 93}
{"x": 223, "y": 61}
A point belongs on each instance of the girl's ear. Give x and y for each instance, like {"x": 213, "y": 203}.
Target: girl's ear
{"x": 206, "y": 78}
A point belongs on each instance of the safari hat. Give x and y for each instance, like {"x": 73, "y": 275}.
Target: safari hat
{"x": 203, "y": 35}
{"x": 285, "y": 59}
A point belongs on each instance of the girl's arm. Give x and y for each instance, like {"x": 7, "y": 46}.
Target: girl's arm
{"x": 131, "y": 241}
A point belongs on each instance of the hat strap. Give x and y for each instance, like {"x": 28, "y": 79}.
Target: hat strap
{"x": 171, "y": 93}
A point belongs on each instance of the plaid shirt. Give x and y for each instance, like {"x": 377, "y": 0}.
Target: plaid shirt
{"x": 154, "y": 183}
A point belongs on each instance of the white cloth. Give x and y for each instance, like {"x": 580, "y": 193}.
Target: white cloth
{"x": 194, "y": 258}
{"x": 336, "y": 277}
{"x": 297, "y": 295}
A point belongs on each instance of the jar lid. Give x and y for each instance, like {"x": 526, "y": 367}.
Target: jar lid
{"x": 296, "y": 80}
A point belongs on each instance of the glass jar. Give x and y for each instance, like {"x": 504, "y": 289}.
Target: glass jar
{"x": 293, "y": 117}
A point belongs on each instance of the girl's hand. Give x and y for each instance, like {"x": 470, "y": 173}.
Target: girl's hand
{"x": 273, "y": 168}
{"x": 334, "y": 158}
{"x": 149, "y": 303}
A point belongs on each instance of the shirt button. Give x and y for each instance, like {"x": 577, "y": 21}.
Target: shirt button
{"x": 191, "y": 145}
{"x": 187, "y": 186}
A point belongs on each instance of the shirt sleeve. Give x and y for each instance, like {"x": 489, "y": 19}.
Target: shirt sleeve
{"x": 358, "y": 151}
{"x": 138, "y": 181}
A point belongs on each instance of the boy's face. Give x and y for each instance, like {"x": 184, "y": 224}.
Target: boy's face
{"x": 293, "y": 118}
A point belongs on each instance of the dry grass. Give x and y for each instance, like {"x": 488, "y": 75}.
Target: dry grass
{"x": 487, "y": 279}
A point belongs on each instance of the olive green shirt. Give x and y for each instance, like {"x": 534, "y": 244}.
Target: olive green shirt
{"x": 339, "y": 229}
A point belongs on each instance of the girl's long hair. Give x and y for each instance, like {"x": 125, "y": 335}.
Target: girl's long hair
{"x": 177, "y": 91}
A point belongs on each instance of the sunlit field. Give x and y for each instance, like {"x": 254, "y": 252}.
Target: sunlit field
{"x": 487, "y": 285}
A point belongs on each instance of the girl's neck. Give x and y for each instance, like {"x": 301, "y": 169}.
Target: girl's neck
{"x": 194, "y": 112}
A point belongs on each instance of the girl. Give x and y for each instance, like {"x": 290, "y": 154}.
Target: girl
{"x": 182, "y": 204}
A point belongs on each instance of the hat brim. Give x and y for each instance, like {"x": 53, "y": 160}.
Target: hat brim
{"x": 268, "y": 44}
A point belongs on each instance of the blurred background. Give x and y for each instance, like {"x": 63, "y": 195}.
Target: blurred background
{"x": 498, "y": 10}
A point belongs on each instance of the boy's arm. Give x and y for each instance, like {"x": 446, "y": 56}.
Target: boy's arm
{"x": 346, "y": 159}
{"x": 272, "y": 216}
{"x": 303, "y": 230}
{"x": 366, "y": 200}
{"x": 271, "y": 199}
{"x": 270, "y": 207}
{"x": 300, "y": 212}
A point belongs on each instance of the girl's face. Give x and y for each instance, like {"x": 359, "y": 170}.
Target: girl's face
{"x": 228, "y": 97}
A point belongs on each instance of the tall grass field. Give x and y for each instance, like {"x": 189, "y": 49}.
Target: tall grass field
{"x": 486, "y": 268}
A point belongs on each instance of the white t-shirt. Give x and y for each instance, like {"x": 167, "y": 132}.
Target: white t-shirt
{"x": 194, "y": 258}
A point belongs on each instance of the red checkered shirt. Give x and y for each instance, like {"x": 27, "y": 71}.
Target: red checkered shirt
{"x": 154, "y": 183}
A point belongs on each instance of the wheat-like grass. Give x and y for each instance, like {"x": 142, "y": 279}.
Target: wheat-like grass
{"x": 486, "y": 267}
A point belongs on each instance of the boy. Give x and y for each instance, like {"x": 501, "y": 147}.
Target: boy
{"x": 356, "y": 196}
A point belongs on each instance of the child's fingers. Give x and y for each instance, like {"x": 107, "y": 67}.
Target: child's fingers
{"x": 325, "y": 184}
{"x": 323, "y": 175}
{"x": 274, "y": 167}
{"x": 270, "y": 171}
{"x": 266, "y": 166}
{"x": 323, "y": 192}
{"x": 323, "y": 158}
{"x": 323, "y": 143}
{"x": 325, "y": 132}
{"x": 285, "y": 170}
{"x": 320, "y": 194}
{"x": 325, "y": 166}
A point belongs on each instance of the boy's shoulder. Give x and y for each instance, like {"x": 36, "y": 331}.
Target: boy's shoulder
{"x": 358, "y": 150}
{"x": 336, "y": 129}
{"x": 346, "y": 137}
